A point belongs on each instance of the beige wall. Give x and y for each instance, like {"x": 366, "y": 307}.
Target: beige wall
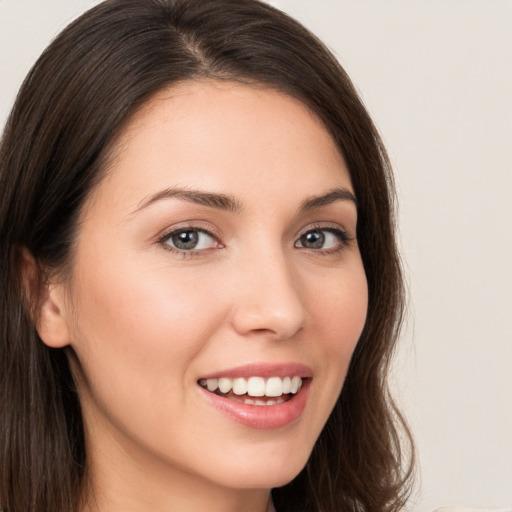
{"x": 437, "y": 77}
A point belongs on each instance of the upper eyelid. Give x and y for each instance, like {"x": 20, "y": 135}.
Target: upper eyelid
{"x": 332, "y": 226}
{"x": 216, "y": 234}
{"x": 163, "y": 241}
{"x": 185, "y": 226}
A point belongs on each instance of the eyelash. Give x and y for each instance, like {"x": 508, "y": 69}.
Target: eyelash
{"x": 342, "y": 235}
{"x": 184, "y": 229}
{"x": 343, "y": 238}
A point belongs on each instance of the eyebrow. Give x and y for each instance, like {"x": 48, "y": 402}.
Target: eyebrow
{"x": 218, "y": 201}
{"x": 230, "y": 203}
{"x": 336, "y": 194}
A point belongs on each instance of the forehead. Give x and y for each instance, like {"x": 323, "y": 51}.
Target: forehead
{"x": 226, "y": 137}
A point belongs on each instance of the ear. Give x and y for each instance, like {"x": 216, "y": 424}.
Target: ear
{"x": 45, "y": 302}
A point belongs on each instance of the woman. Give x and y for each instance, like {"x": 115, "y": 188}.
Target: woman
{"x": 202, "y": 289}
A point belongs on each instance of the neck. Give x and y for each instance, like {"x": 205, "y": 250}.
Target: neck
{"x": 123, "y": 481}
{"x": 115, "y": 495}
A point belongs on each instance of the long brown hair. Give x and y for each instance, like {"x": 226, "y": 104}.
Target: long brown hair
{"x": 72, "y": 105}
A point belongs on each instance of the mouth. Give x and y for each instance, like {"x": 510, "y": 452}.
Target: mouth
{"x": 259, "y": 396}
{"x": 255, "y": 390}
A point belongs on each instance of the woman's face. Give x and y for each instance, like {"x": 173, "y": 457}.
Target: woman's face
{"x": 220, "y": 249}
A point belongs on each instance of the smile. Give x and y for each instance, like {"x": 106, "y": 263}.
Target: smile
{"x": 260, "y": 396}
{"x": 254, "y": 390}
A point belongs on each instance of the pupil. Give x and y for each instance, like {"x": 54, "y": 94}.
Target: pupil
{"x": 313, "y": 240}
{"x": 185, "y": 239}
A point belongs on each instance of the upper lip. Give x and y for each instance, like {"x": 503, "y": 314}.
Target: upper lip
{"x": 282, "y": 370}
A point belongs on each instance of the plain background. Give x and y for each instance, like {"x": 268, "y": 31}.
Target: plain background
{"x": 437, "y": 78}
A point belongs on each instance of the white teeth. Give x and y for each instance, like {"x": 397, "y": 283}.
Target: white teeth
{"x": 255, "y": 401}
{"x": 239, "y": 386}
{"x": 256, "y": 386}
{"x": 273, "y": 387}
{"x": 296, "y": 384}
{"x": 225, "y": 385}
{"x": 212, "y": 384}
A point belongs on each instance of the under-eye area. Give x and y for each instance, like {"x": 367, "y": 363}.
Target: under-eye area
{"x": 255, "y": 390}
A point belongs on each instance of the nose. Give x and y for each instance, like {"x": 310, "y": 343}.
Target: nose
{"x": 268, "y": 298}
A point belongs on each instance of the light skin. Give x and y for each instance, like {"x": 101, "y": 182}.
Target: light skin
{"x": 276, "y": 277}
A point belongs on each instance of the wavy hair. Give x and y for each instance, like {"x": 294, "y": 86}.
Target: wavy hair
{"x": 72, "y": 105}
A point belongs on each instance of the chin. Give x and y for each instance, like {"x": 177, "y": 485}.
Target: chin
{"x": 267, "y": 473}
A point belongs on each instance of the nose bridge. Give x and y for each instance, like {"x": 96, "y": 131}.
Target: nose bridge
{"x": 268, "y": 295}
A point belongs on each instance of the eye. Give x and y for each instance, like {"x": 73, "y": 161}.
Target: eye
{"x": 323, "y": 239}
{"x": 190, "y": 239}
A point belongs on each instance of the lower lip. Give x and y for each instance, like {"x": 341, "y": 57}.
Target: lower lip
{"x": 261, "y": 416}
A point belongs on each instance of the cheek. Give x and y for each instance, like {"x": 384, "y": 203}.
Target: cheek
{"x": 134, "y": 326}
{"x": 340, "y": 310}
{"x": 340, "y": 315}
